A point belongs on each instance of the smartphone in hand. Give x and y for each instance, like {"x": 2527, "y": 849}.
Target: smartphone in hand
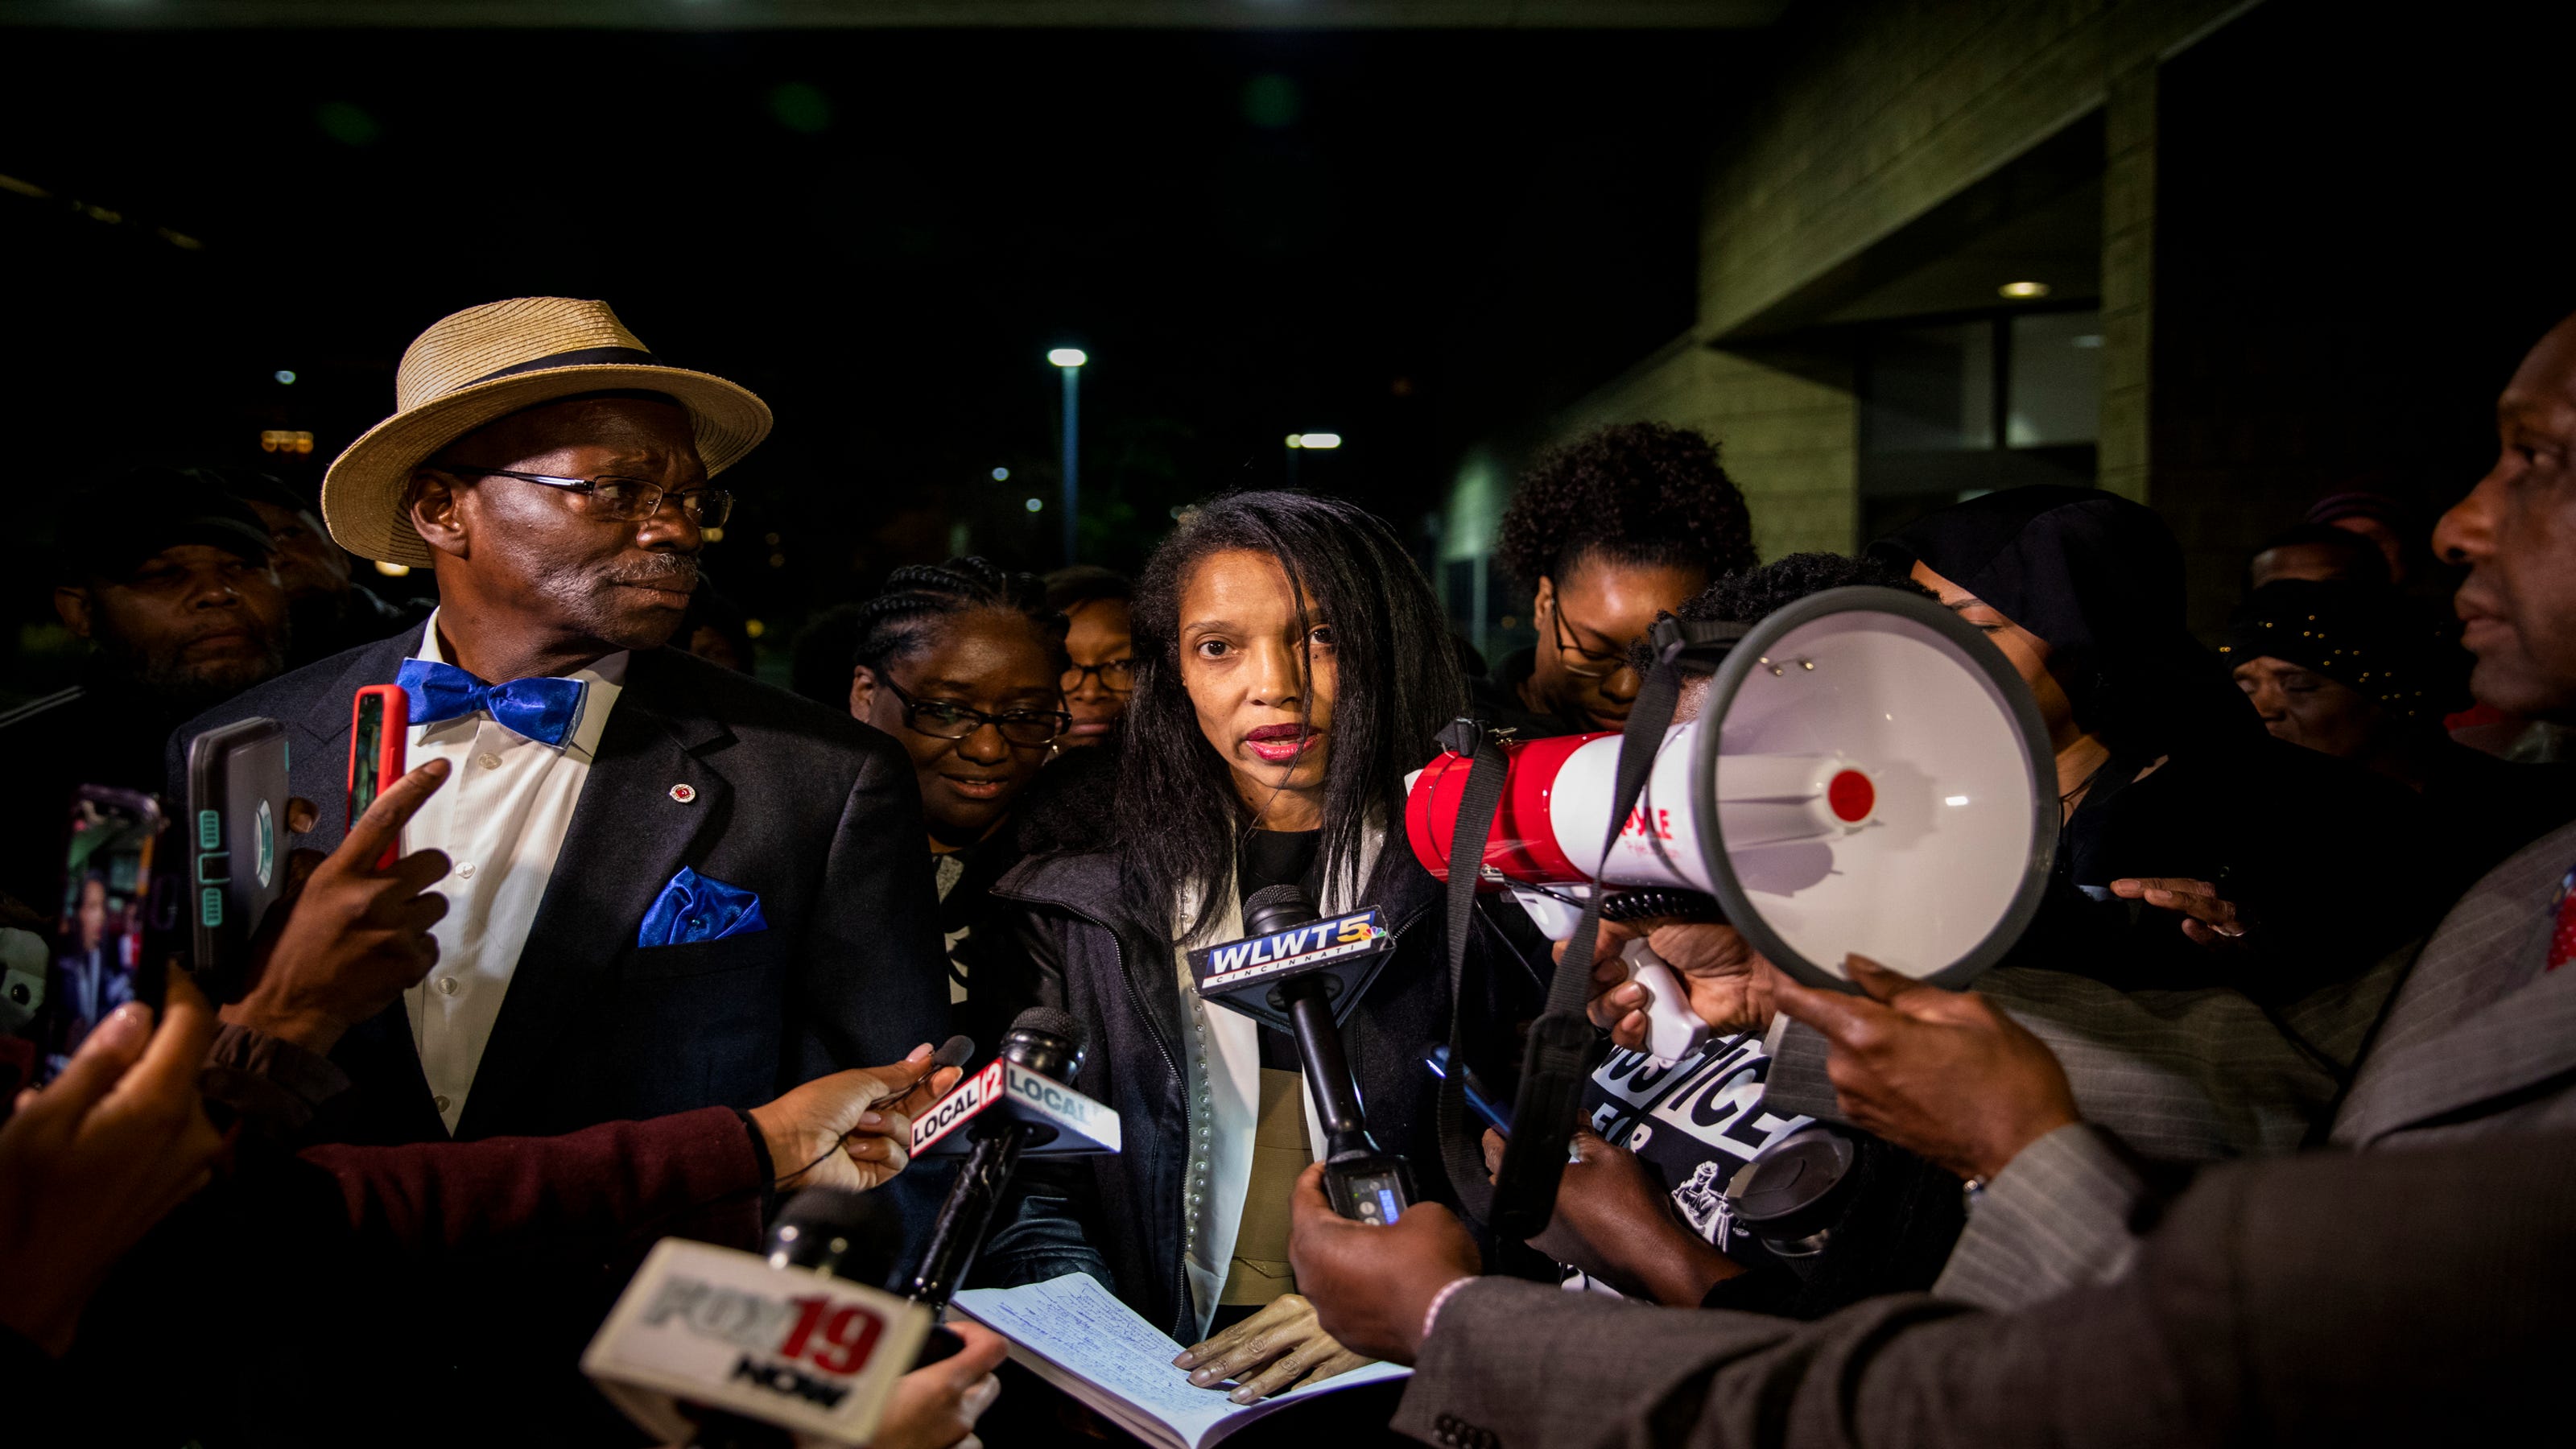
{"x": 235, "y": 830}
{"x": 100, "y": 951}
{"x": 379, "y": 725}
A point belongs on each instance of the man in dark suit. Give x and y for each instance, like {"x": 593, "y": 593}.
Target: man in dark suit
{"x": 2325, "y": 1300}
{"x": 670, "y": 886}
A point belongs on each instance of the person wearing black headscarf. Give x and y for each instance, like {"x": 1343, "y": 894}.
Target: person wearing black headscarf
{"x": 2197, "y": 850}
{"x": 2350, "y": 670}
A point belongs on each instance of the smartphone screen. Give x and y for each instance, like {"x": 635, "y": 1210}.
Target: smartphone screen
{"x": 366, "y": 754}
{"x": 98, "y": 953}
{"x": 379, "y": 726}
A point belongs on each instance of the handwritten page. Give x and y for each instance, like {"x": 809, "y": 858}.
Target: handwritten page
{"x": 1073, "y": 1325}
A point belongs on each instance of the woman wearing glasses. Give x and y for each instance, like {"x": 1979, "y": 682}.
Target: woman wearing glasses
{"x": 1622, "y": 525}
{"x": 1292, "y": 667}
{"x": 960, "y": 662}
{"x": 1102, "y": 670}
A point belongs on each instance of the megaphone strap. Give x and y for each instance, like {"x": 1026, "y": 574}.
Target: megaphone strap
{"x": 1563, "y": 1042}
{"x": 1482, "y": 797}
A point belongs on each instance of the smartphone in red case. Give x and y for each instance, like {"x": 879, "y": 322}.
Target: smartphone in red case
{"x": 379, "y": 726}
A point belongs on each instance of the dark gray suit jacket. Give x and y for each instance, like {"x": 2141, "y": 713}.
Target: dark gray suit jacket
{"x": 814, "y": 811}
{"x": 2330, "y": 1300}
{"x": 2479, "y": 1039}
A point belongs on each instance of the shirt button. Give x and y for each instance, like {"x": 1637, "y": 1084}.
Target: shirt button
{"x": 488, "y": 760}
{"x": 439, "y": 1101}
{"x": 449, "y": 986}
{"x": 465, "y": 870}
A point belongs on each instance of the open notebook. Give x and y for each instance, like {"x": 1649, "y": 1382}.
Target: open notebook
{"x": 1077, "y": 1336}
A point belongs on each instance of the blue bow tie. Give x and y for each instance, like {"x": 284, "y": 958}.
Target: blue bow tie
{"x": 543, "y": 709}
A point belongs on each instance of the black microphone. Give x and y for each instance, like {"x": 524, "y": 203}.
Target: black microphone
{"x": 1312, "y": 976}
{"x": 1003, "y": 1112}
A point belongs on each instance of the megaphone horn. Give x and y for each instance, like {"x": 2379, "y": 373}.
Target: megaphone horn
{"x": 1867, "y": 775}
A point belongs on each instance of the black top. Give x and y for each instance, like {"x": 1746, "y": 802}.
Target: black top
{"x": 1270, "y": 858}
{"x": 1278, "y": 857}
{"x": 977, "y": 931}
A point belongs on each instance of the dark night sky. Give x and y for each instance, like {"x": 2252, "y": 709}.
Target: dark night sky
{"x": 1412, "y": 239}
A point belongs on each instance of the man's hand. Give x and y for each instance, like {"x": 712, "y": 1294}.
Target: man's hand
{"x": 1728, "y": 981}
{"x": 936, "y": 1407}
{"x": 1274, "y": 1350}
{"x": 832, "y": 1132}
{"x": 1371, "y": 1283}
{"x": 94, "y": 1159}
{"x": 1614, "y": 1223}
{"x": 346, "y": 940}
{"x": 2206, "y": 919}
{"x": 1939, "y": 1073}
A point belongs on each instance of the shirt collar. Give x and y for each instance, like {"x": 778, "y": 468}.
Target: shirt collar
{"x": 605, "y": 675}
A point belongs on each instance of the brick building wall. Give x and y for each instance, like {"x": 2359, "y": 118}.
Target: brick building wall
{"x": 1881, "y": 111}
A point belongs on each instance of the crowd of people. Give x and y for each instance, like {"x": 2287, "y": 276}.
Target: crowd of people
{"x": 640, "y": 944}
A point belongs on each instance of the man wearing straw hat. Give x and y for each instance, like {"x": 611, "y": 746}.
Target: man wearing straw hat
{"x": 669, "y": 886}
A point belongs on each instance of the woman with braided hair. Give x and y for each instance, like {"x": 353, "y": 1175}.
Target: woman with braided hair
{"x": 1621, "y": 525}
{"x": 960, "y": 662}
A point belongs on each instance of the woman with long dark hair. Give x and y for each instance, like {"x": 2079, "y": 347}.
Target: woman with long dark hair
{"x": 1291, "y": 669}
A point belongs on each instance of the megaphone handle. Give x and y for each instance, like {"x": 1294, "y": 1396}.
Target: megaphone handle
{"x": 1673, "y": 1030}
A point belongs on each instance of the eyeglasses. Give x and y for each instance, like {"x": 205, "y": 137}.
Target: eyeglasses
{"x": 1118, "y": 676}
{"x": 942, "y": 720}
{"x": 1583, "y": 663}
{"x": 622, "y": 500}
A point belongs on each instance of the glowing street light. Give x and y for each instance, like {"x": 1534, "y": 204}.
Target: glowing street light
{"x": 1303, "y": 442}
{"x": 1069, "y": 361}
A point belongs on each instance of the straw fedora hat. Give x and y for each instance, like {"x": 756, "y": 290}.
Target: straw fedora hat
{"x": 490, "y": 361}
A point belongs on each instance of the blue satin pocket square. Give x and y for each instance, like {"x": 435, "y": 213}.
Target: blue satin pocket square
{"x": 694, "y": 908}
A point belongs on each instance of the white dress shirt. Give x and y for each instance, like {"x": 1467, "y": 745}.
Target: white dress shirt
{"x": 501, "y": 818}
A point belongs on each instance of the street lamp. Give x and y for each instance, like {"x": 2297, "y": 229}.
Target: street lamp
{"x": 1069, "y": 361}
{"x": 1300, "y": 442}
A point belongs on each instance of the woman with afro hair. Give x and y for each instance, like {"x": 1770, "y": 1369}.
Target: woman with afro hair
{"x": 1619, "y": 526}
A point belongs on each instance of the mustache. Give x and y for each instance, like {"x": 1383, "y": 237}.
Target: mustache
{"x": 660, "y": 571}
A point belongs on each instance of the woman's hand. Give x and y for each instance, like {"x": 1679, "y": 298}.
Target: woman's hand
{"x": 1275, "y": 1349}
{"x": 93, "y": 1160}
{"x": 1614, "y": 1223}
{"x": 2206, "y": 919}
{"x": 831, "y": 1132}
{"x": 936, "y": 1407}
